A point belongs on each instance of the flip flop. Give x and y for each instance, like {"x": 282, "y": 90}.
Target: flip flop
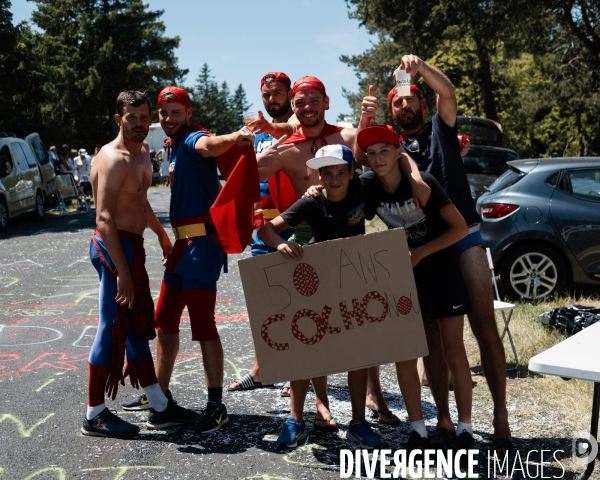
{"x": 499, "y": 442}
{"x": 247, "y": 383}
{"x": 445, "y": 435}
{"x": 285, "y": 385}
{"x": 326, "y": 425}
{"x": 388, "y": 417}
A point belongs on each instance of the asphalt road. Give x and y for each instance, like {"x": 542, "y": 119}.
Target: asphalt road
{"x": 48, "y": 318}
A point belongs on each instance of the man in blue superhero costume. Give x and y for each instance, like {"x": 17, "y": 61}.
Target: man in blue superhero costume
{"x": 195, "y": 263}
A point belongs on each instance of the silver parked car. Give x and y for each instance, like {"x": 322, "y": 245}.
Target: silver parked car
{"x": 541, "y": 221}
{"x": 21, "y": 184}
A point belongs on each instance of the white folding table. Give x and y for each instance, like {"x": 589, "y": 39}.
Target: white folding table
{"x": 576, "y": 357}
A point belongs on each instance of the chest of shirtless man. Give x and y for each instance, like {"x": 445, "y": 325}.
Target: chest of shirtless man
{"x": 309, "y": 106}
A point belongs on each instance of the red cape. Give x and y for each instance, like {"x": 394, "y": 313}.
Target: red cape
{"x": 280, "y": 185}
{"x": 232, "y": 212}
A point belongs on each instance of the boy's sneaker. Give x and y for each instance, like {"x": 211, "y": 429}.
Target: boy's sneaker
{"x": 172, "y": 416}
{"x": 291, "y": 432}
{"x": 464, "y": 441}
{"x": 416, "y": 442}
{"x": 362, "y": 434}
{"x": 107, "y": 424}
{"x": 213, "y": 418}
{"x": 141, "y": 402}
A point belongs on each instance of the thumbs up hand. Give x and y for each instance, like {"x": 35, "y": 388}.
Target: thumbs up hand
{"x": 369, "y": 105}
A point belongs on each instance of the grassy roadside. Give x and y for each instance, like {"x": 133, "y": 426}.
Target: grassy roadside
{"x": 539, "y": 405}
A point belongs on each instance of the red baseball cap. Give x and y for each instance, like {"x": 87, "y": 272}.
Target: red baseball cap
{"x": 180, "y": 93}
{"x": 308, "y": 83}
{"x": 276, "y": 77}
{"x": 413, "y": 88}
{"x": 377, "y": 134}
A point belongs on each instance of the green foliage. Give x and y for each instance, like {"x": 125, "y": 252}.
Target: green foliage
{"x": 19, "y": 78}
{"x": 533, "y": 66}
{"x": 216, "y": 109}
{"x": 86, "y": 52}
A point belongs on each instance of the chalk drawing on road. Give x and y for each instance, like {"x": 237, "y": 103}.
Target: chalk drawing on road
{"x": 6, "y": 282}
{"x": 86, "y": 339}
{"x": 61, "y": 473}
{"x": 23, "y": 431}
{"x": 21, "y": 261}
{"x": 11, "y": 335}
{"x": 85, "y": 259}
{"x": 122, "y": 470}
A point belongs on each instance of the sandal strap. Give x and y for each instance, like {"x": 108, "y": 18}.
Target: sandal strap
{"x": 246, "y": 382}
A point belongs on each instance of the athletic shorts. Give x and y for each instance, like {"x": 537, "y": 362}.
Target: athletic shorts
{"x": 473, "y": 239}
{"x": 191, "y": 283}
{"x": 442, "y": 292}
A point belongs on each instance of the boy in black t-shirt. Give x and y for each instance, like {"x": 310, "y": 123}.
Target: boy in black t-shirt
{"x": 431, "y": 232}
{"x": 337, "y": 212}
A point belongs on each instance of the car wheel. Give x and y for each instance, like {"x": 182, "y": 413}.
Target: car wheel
{"x": 532, "y": 272}
{"x": 38, "y": 213}
{"x": 3, "y": 215}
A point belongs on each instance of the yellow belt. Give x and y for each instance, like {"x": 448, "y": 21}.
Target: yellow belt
{"x": 190, "y": 231}
{"x": 270, "y": 213}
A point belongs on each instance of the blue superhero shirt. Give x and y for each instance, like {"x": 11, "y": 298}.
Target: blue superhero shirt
{"x": 195, "y": 181}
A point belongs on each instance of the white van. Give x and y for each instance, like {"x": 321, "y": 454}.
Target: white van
{"x": 156, "y": 137}
{"x": 46, "y": 166}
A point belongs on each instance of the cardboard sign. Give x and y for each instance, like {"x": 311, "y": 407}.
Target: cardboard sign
{"x": 348, "y": 304}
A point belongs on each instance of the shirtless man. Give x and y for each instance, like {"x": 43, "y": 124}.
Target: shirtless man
{"x": 120, "y": 178}
{"x": 309, "y": 102}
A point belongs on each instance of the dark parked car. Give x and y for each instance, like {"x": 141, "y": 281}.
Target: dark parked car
{"x": 481, "y": 131}
{"x": 541, "y": 221}
{"x": 485, "y": 164}
{"x": 486, "y": 159}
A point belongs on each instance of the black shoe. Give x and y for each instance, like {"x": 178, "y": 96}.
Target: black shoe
{"x": 465, "y": 442}
{"x": 214, "y": 417}
{"x": 416, "y": 442}
{"x": 141, "y": 402}
{"x": 107, "y": 424}
{"x": 172, "y": 416}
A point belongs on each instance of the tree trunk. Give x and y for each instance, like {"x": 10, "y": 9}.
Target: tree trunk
{"x": 485, "y": 81}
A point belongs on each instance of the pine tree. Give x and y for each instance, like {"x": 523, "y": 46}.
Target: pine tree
{"x": 239, "y": 104}
{"x": 20, "y": 76}
{"x": 214, "y": 107}
{"x": 94, "y": 49}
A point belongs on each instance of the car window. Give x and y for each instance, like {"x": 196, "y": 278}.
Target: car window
{"x": 508, "y": 178}
{"x": 40, "y": 151}
{"x": 480, "y": 132}
{"x": 4, "y": 159}
{"x": 552, "y": 179}
{"x": 29, "y": 155}
{"x": 20, "y": 157}
{"x": 585, "y": 184}
{"x": 488, "y": 161}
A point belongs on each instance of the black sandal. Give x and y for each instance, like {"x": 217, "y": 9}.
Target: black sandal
{"x": 246, "y": 383}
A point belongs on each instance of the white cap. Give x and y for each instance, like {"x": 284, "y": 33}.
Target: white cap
{"x": 331, "y": 155}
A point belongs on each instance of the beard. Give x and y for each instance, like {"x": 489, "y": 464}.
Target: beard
{"x": 279, "y": 110}
{"x": 137, "y": 134}
{"x": 180, "y": 129}
{"x": 411, "y": 123}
